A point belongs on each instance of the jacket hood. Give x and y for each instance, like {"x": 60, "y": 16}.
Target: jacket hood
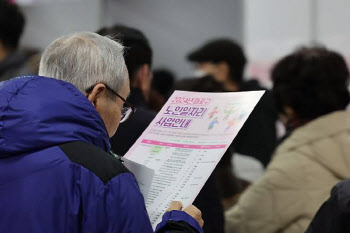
{"x": 325, "y": 140}
{"x": 38, "y": 112}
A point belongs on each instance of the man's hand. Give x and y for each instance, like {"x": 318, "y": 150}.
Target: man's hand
{"x": 191, "y": 210}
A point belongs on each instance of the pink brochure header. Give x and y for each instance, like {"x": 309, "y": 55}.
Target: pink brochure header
{"x": 178, "y": 145}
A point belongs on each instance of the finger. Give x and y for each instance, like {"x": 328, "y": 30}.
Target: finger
{"x": 194, "y": 211}
{"x": 175, "y": 205}
{"x": 201, "y": 223}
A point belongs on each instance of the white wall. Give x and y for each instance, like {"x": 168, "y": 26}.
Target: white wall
{"x": 272, "y": 29}
{"x": 333, "y": 27}
{"x": 268, "y": 29}
{"x": 47, "y": 21}
{"x": 175, "y": 27}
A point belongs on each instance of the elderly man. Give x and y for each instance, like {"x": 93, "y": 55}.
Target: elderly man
{"x": 56, "y": 170}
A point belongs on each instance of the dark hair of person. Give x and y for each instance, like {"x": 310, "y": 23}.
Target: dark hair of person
{"x": 222, "y": 50}
{"x": 312, "y": 81}
{"x": 163, "y": 82}
{"x": 137, "y": 48}
{"x": 12, "y": 23}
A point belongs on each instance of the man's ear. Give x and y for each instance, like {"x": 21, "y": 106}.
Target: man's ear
{"x": 145, "y": 71}
{"x": 289, "y": 112}
{"x": 96, "y": 94}
{"x": 3, "y": 51}
{"x": 287, "y": 115}
{"x": 141, "y": 76}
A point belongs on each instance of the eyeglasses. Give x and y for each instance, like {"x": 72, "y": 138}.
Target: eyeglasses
{"x": 128, "y": 109}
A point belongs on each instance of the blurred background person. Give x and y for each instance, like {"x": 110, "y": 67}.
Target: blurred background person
{"x": 162, "y": 86}
{"x": 225, "y": 61}
{"x": 138, "y": 59}
{"x": 14, "y": 62}
{"x": 310, "y": 88}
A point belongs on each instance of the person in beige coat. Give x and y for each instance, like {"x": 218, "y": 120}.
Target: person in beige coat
{"x": 310, "y": 87}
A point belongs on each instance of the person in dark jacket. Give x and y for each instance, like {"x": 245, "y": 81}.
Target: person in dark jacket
{"x": 138, "y": 59}
{"x": 334, "y": 214}
{"x": 13, "y": 62}
{"x": 56, "y": 170}
{"x": 225, "y": 60}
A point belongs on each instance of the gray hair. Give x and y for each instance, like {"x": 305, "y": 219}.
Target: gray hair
{"x": 85, "y": 59}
